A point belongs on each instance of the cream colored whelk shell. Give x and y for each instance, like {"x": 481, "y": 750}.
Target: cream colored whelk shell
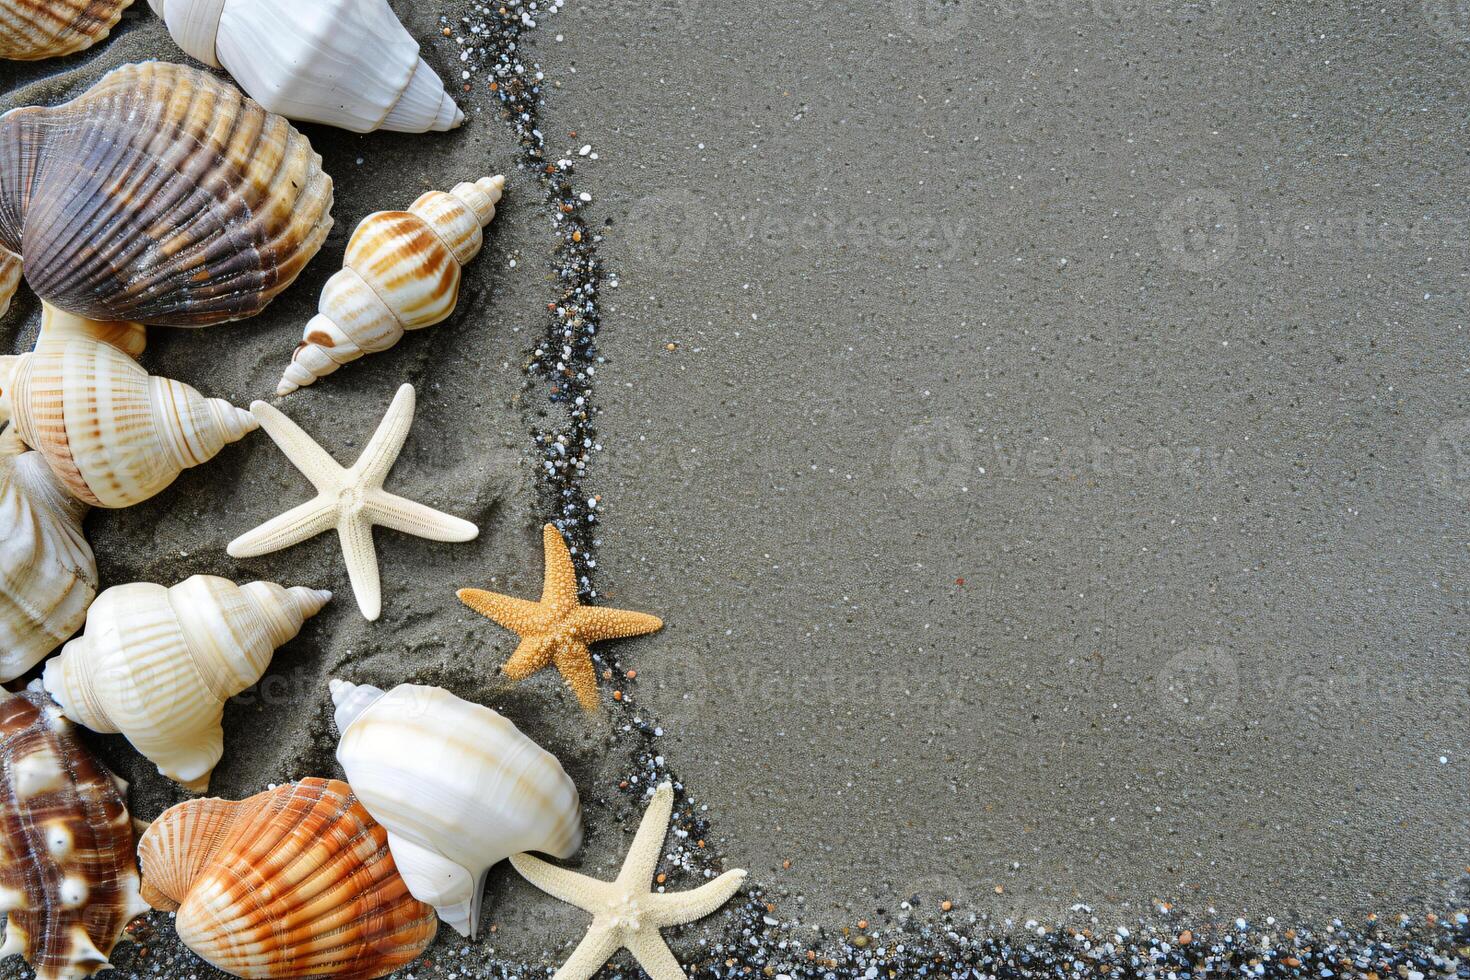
{"x": 158, "y": 664}
{"x": 458, "y": 787}
{"x": 347, "y": 63}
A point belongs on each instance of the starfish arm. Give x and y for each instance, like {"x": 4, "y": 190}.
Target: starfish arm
{"x": 574, "y": 661}
{"x": 282, "y": 531}
{"x": 412, "y": 517}
{"x": 595, "y": 623}
{"x": 560, "y": 590}
{"x": 312, "y": 460}
{"x": 382, "y": 450}
{"x": 516, "y": 615}
{"x": 361, "y": 559}
{"x": 595, "y": 949}
{"x": 654, "y": 955}
{"x": 569, "y": 886}
{"x": 648, "y": 843}
{"x": 677, "y": 908}
{"x": 532, "y": 654}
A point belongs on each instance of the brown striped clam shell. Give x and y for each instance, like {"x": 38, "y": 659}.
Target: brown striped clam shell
{"x": 35, "y": 29}
{"x": 68, "y": 881}
{"x": 294, "y": 882}
{"x": 160, "y": 195}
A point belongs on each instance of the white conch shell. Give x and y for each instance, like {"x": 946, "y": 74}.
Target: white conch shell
{"x": 158, "y": 664}
{"x": 457, "y": 786}
{"x": 48, "y": 575}
{"x": 401, "y": 272}
{"x": 112, "y": 433}
{"x": 347, "y": 63}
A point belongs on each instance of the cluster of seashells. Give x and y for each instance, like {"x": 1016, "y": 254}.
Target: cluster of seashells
{"x": 165, "y": 196}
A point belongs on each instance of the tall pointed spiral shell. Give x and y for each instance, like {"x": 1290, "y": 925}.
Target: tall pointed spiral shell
{"x": 401, "y": 272}
{"x": 68, "y": 884}
{"x": 458, "y": 787}
{"x": 48, "y": 575}
{"x": 294, "y": 882}
{"x": 35, "y": 29}
{"x": 160, "y": 195}
{"x": 158, "y": 664}
{"x": 347, "y": 63}
{"x": 112, "y": 433}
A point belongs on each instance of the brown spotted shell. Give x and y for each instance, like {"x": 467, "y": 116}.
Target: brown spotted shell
{"x": 68, "y": 881}
{"x": 294, "y": 882}
{"x": 35, "y": 29}
{"x": 160, "y": 195}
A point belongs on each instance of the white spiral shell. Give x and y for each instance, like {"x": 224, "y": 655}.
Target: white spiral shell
{"x": 347, "y": 63}
{"x": 158, "y": 664}
{"x": 457, "y": 786}
{"x": 401, "y": 272}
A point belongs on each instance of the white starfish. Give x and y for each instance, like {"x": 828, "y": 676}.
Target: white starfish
{"x": 351, "y": 500}
{"x": 627, "y": 913}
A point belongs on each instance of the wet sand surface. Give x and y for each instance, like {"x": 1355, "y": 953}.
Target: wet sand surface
{"x": 1040, "y": 427}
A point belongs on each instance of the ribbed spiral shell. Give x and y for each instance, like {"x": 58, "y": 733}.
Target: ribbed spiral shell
{"x": 294, "y": 882}
{"x": 158, "y": 664}
{"x": 458, "y": 786}
{"x": 67, "y": 879}
{"x": 160, "y": 195}
{"x": 346, "y": 63}
{"x": 112, "y": 433}
{"x": 401, "y": 272}
{"x": 35, "y": 29}
{"x": 48, "y": 575}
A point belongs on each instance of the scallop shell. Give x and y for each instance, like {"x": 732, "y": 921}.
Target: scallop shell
{"x": 160, "y": 195}
{"x": 401, "y": 272}
{"x": 458, "y": 787}
{"x": 113, "y": 434}
{"x": 347, "y": 63}
{"x": 294, "y": 882}
{"x": 67, "y": 880}
{"x": 35, "y": 29}
{"x": 48, "y": 575}
{"x": 158, "y": 664}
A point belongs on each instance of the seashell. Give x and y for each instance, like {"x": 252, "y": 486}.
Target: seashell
{"x": 401, "y": 272}
{"x": 10, "y": 271}
{"x": 294, "y": 882}
{"x": 112, "y": 433}
{"x": 35, "y": 29}
{"x": 161, "y": 195}
{"x": 67, "y": 880}
{"x": 158, "y": 664}
{"x": 347, "y": 63}
{"x": 48, "y": 575}
{"x": 458, "y": 787}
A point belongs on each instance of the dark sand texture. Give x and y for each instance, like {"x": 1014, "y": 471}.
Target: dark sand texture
{"x": 1055, "y": 492}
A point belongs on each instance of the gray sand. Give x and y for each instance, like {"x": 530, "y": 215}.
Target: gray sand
{"x": 1056, "y": 490}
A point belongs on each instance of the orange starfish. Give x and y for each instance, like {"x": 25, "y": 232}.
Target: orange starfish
{"x": 558, "y": 629}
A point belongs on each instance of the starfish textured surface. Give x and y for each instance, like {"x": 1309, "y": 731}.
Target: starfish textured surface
{"x": 627, "y": 913}
{"x": 350, "y": 500}
{"x": 558, "y": 629}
